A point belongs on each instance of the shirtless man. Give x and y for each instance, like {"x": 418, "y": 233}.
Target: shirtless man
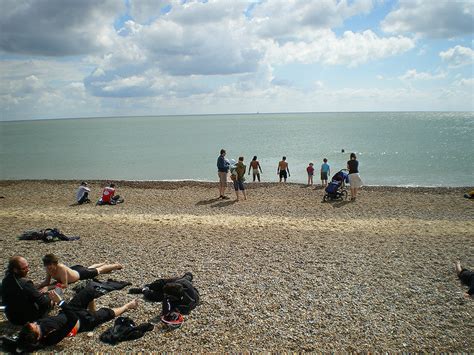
{"x": 67, "y": 275}
{"x": 283, "y": 171}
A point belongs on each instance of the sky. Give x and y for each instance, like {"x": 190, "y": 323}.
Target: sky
{"x": 89, "y": 58}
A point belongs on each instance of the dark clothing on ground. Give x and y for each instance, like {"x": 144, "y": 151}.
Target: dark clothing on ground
{"x": 467, "y": 278}
{"x": 24, "y": 303}
{"x": 183, "y": 303}
{"x": 85, "y": 273}
{"x": 125, "y": 329}
{"x": 47, "y": 235}
{"x": 353, "y": 166}
{"x": 102, "y": 287}
{"x": 56, "y": 328}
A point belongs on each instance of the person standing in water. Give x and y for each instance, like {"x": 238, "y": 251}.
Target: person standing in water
{"x": 255, "y": 167}
{"x": 283, "y": 171}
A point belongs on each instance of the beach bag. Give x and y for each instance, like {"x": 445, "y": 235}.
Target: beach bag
{"x": 233, "y": 177}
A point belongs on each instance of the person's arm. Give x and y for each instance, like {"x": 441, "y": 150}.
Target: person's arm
{"x": 288, "y": 169}
{"x": 63, "y": 275}
{"x": 250, "y": 167}
{"x": 260, "y": 168}
{"x": 46, "y": 282}
{"x": 278, "y": 169}
{"x": 41, "y": 300}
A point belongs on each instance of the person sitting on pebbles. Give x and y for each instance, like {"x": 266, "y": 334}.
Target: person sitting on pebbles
{"x": 109, "y": 197}
{"x": 66, "y": 275}
{"x": 467, "y": 278}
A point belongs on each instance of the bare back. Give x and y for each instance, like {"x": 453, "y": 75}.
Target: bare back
{"x": 65, "y": 275}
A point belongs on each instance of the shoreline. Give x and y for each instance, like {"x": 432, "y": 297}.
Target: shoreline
{"x": 205, "y": 183}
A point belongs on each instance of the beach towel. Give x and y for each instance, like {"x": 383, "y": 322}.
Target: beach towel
{"x": 125, "y": 329}
{"x": 47, "y": 235}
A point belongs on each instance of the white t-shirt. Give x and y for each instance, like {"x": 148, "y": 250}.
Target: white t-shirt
{"x": 81, "y": 191}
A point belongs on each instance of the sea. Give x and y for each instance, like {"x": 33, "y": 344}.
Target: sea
{"x": 393, "y": 148}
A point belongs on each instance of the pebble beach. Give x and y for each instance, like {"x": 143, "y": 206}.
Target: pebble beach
{"x": 281, "y": 271}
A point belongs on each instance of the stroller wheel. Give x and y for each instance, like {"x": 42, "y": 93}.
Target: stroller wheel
{"x": 344, "y": 195}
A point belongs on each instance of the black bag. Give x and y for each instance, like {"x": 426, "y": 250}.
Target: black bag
{"x": 125, "y": 329}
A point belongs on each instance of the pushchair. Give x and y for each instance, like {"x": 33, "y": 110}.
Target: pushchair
{"x": 336, "y": 189}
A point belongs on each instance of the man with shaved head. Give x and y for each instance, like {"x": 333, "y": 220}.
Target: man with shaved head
{"x": 24, "y": 303}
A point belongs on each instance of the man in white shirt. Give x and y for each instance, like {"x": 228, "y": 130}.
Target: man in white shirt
{"x": 82, "y": 195}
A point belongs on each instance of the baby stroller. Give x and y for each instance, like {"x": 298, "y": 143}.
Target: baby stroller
{"x": 336, "y": 189}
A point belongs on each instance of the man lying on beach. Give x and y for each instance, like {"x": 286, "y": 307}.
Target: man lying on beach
{"x": 66, "y": 275}
{"x": 79, "y": 315}
{"x": 467, "y": 278}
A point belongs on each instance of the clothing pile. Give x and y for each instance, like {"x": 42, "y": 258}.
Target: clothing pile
{"x": 47, "y": 235}
{"x": 125, "y": 329}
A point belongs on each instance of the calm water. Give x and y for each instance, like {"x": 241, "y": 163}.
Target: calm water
{"x": 408, "y": 149}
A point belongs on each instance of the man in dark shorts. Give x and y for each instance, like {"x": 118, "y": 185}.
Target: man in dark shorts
{"x": 79, "y": 315}
{"x": 66, "y": 275}
{"x": 283, "y": 171}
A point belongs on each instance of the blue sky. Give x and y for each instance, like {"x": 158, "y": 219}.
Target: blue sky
{"x": 67, "y": 58}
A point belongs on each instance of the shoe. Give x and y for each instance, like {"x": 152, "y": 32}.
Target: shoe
{"x": 135, "y": 291}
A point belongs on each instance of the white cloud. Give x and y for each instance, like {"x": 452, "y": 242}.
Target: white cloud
{"x": 466, "y": 82}
{"x": 284, "y": 20}
{"x": 431, "y": 18}
{"x": 458, "y": 56}
{"x": 412, "y": 74}
{"x": 351, "y": 49}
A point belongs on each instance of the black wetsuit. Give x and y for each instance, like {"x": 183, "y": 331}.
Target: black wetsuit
{"x": 24, "y": 303}
{"x": 56, "y": 328}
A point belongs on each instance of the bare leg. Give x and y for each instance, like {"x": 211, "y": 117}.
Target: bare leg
{"x": 245, "y": 195}
{"x": 458, "y": 267}
{"x": 258, "y": 177}
{"x": 126, "y": 307}
{"x": 237, "y": 195}
{"x": 105, "y": 269}
{"x": 96, "y": 266}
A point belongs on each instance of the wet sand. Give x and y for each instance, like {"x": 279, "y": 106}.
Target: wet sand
{"x": 280, "y": 271}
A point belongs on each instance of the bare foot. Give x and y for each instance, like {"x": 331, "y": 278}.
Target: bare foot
{"x": 118, "y": 266}
{"x": 132, "y": 304}
{"x": 458, "y": 267}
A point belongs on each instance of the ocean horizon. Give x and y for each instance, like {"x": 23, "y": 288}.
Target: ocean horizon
{"x": 393, "y": 148}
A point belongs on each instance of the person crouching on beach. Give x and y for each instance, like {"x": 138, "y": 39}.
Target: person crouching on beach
{"x": 255, "y": 166}
{"x": 66, "y": 275}
{"x": 283, "y": 171}
{"x": 240, "y": 169}
{"x": 310, "y": 171}
{"x": 82, "y": 195}
{"x": 354, "y": 178}
{"x": 223, "y": 166}
{"x": 109, "y": 197}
